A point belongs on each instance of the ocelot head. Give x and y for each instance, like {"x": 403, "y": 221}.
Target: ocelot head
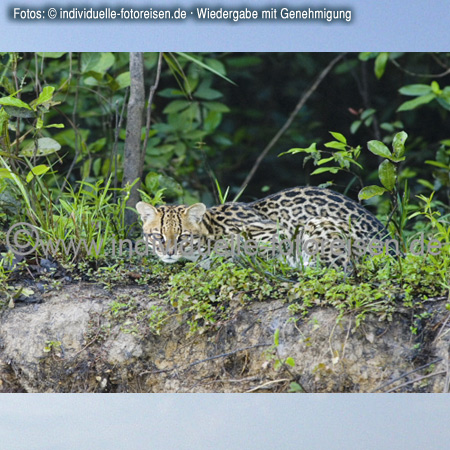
{"x": 173, "y": 232}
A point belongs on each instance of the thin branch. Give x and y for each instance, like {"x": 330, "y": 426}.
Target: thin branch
{"x": 416, "y": 380}
{"x": 442, "y": 327}
{"x": 407, "y": 374}
{"x": 265, "y": 385}
{"x": 291, "y": 118}
{"x": 422, "y": 75}
{"x": 438, "y": 61}
{"x": 223, "y": 355}
{"x": 149, "y": 106}
{"x": 119, "y": 119}
{"x": 37, "y": 85}
{"x": 69, "y": 78}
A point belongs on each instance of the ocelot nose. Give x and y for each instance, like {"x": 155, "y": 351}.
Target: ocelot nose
{"x": 171, "y": 251}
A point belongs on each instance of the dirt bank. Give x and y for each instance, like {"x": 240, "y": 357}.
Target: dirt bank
{"x": 85, "y": 339}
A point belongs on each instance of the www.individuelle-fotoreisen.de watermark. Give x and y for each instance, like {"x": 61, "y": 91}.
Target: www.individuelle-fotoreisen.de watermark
{"x": 24, "y": 239}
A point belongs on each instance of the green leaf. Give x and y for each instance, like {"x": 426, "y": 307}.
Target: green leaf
{"x": 336, "y": 145}
{"x": 97, "y": 145}
{"x": 411, "y": 104}
{"x": 399, "y": 144}
{"x": 89, "y": 60}
{"x": 176, "y": 106}
{"x": 276, "y": 337}
{"x": 380, "y": 64}
{"x": 290, "y": 361}
{"x": 396, "y": 160}
{"x": 438, "y": 164}
{"x": 356, "y": 163}
{"x": 5, "y": 173}
{"x": 53, "y": 55}
{"x": 295, "y": 387}
{"x": 55, "y": 125}
{"x": 435, "y": 88}
{"x": 311, "y": 149}
{"x": 415, "y": 90}
{"x": 367, "y": 113}
{"x": 13, "y": 101}
{"x": 36, "y": 171}
{"x": 326, "y": 169}
{"x": 123, "y": 80}
{"x": 339, "y": 137}
{"x": 370, "y": 191}
{"x": 44, "y": 97}
{"x": 444, "y": 103}
{"x": 68, "y": 137}
{"x": 215, "y": 64}
{"x": 387, "y": 173}
{"x": 355, "y": 126}
{"x": 14, "y": 111}
{"x": 378, "y": 148}
{"x": 212, "y": 121}
{"x": 205, "y": 66}
{"x": 206, "y": 93}
{"x": 426, "y": 183}
{"x": 171, "y": 93}
{"x": 45, "y": 146}
{"x": 216, "y": 106}
{"x": 325, "y": 160}
{"x": 365, "y": 56}
{"x": 152, "y": 181}
{"x": 445, "y": 95}
{"x": 368, "y": 121}
{"x": 96, "y": 61}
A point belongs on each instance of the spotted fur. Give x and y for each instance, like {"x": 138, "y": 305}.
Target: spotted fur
{"x": 305, "y": 213}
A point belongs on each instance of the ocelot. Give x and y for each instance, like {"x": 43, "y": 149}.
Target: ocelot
{"x": 306, "y": 224}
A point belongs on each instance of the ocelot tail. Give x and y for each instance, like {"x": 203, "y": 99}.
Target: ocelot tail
{"x": 306, "y": 224}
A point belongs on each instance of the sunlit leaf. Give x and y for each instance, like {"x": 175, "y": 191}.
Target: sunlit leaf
{"x": 380, "y": 64}
{"x": 387, "y": 174}
{"x": 326, "y": 169}
{"x": 412, "y": 104}
{"x": 36, "y": 171}
{"x": 370, "y": 191}
{"x": 378, "y": 148}
{"x": 13, "y": 101}
{"x": 45, "y": 146}
{"x": 398, "y": 144}
{"x": 44, "y": 97}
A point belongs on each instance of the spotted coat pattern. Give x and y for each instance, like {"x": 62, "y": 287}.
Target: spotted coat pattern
{"x": 307, "y": 213}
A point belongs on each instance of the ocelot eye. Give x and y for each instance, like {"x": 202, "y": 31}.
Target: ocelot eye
{"x": 156, "y": 237}
{"x": 184, "y": 237}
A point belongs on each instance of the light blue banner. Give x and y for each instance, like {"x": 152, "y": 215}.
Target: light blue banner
{"x": 228, "y": 25}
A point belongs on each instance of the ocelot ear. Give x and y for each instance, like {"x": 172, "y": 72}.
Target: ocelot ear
{"x": 147, "y": 212}
{"x": 196, "y": 212}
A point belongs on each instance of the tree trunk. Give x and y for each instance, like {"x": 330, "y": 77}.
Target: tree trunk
{"x": 133, "y": 158}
